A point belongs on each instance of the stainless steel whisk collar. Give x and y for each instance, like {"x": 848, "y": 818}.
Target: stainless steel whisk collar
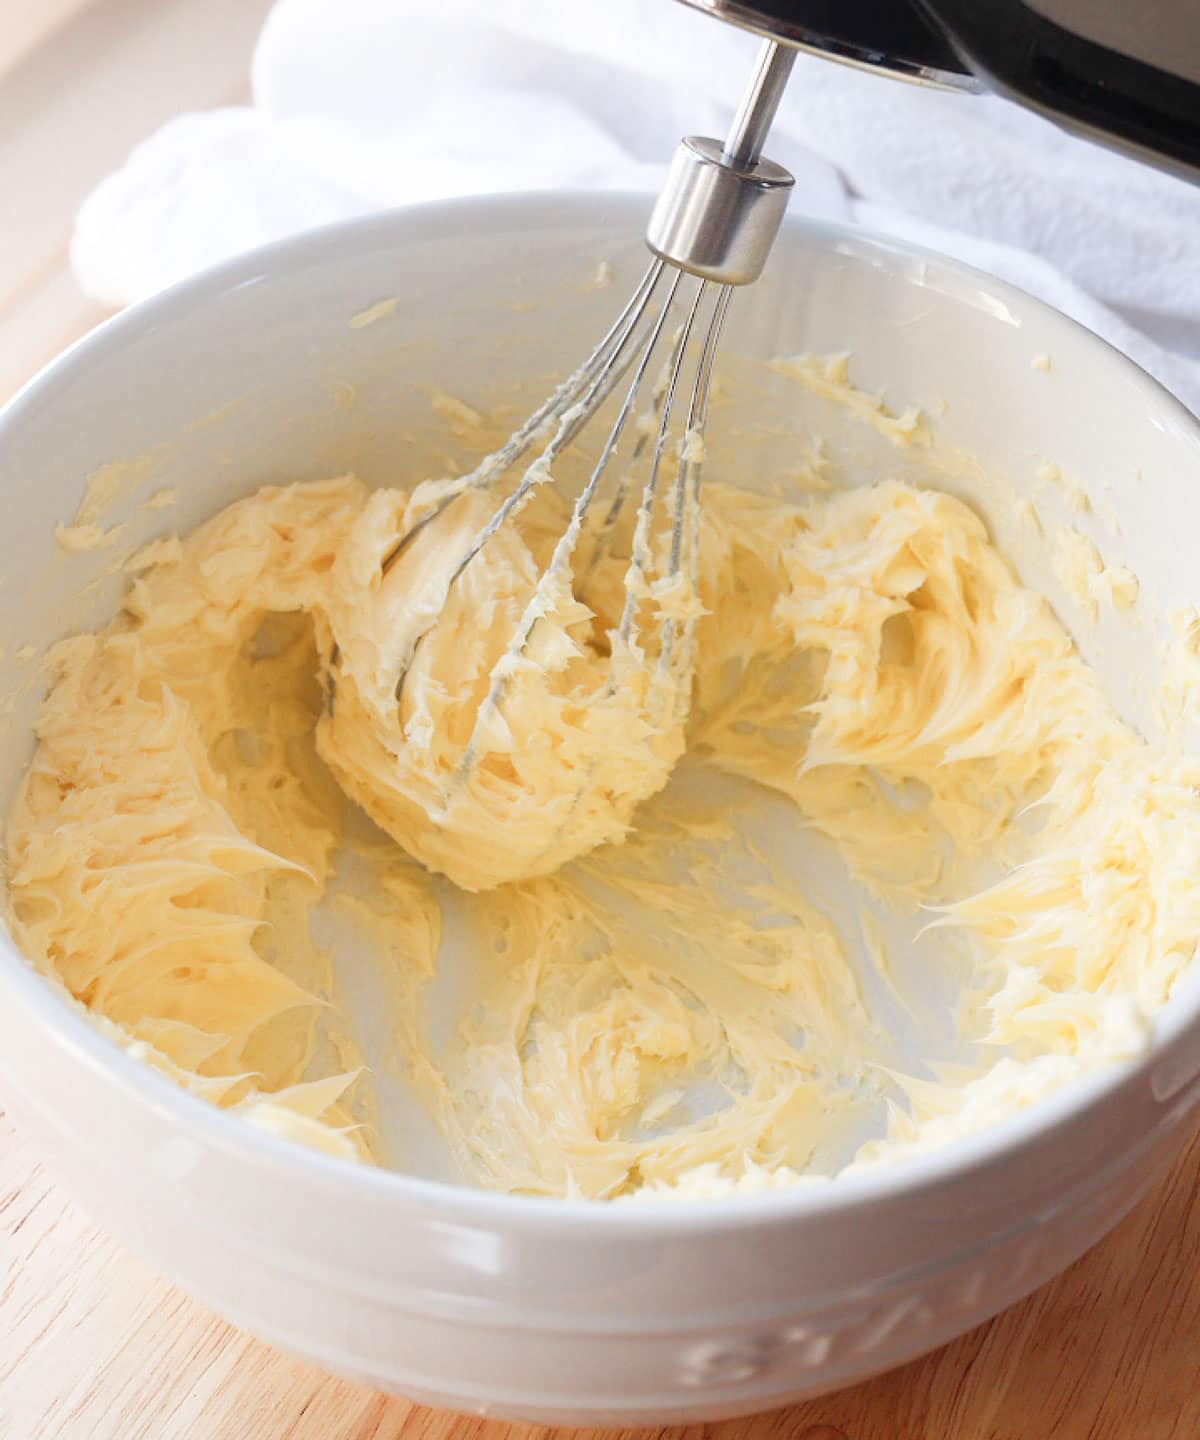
{"x": 722, "y": 205}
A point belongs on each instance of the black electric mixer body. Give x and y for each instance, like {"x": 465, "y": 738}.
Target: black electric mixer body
{"x": 1123, "y": 72}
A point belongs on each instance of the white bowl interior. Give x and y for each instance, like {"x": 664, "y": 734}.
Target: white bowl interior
{"x": 246, "y": 382}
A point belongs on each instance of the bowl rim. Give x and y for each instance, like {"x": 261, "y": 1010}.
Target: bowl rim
{"x": 71, "y": 1029}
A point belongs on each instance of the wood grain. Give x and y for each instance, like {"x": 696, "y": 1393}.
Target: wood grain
{"x": 94, "y": 1346}
{"x": 25, "y": 27}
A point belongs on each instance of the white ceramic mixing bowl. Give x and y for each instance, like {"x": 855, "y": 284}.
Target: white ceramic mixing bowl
{"x": 257, "y": 372}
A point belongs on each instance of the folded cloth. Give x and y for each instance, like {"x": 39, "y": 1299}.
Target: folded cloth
{"x": 374, "y": 103}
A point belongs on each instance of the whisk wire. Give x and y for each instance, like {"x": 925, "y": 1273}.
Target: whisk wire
{"x": 686, "y": 488}
{"x": 649, "y": 426}
{"x": 563, "y": 399}
{"x": 641, "y": 558}
{"x": 687, "y": 512}
{"x": 536, "y": 607}
{"x": 597, "y": 375}
{"x": 714, "y": 224}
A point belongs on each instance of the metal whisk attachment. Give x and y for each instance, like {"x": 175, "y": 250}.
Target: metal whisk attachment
{"x": 711, "y": 230}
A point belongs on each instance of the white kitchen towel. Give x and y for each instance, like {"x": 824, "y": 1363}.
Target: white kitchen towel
{"x": 364, "y": 104}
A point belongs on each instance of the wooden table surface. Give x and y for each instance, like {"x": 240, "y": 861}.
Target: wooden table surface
{"x": 93, "y": 1345}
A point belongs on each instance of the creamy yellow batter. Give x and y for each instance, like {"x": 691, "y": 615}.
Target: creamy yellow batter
{"x": 483, "y": 792}
{"x": 658, "y": 1016}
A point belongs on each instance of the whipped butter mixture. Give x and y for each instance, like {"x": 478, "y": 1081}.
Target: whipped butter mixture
{"x": 658, "y": 1002}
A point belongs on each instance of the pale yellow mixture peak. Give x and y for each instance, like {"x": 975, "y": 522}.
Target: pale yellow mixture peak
{"x": 487, "y": 761}
{"x": 662, "y": 1006}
